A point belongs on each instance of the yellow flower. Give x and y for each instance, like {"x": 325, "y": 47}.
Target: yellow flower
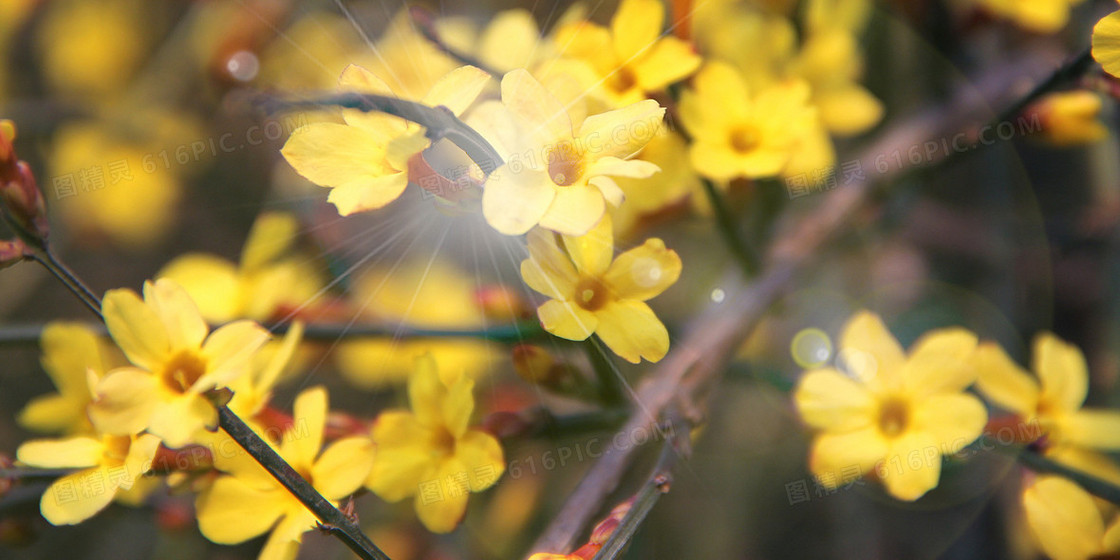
{"x": 1053, "y": 402}
{"x": 249, "y": 502}
{"x": 1070, "y": 118}
{"x": 677, "y": 180}
{"x": 592, "y": 292}
{"x": 1039, "y": 16}
{"x": 831, "y": 63}
{"x": 431, "y": 452}
{"x": 511, "y": 40}
{"x": 268, "y": 281}
{"x": 633, "y": 58}
{"x": 365, "y": 161}
{"x": 110, "y": 464}
{"x": 72, "y": 356}
{"x": 92, "y": 50}
{"x": 1066, "y": 522}
{"x": 554, "y": 175}
{"x": 898, "y": 415}
{"x": 736, "y": 134}
{"x": 175, "y": 361}
{"x": 252, "y": 391}
{"x": 419, "y": 294}
{"x": 1106, "y": 43}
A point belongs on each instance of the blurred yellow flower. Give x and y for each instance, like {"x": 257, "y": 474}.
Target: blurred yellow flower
{"x": 554, "y": 175}
{"x": 896, "y": 415}
{"x": 416, "y": 294}
{"x": 90, "y": 50}
{"x": 1070, "y": 118}
{"x": 1066, "y": 522}
{"x": 1074, "y": 436}
{"x": 1106, "y": 43}
{"x": 737, "y": 134}
{"x": 249, "y": 502}
{"x": 593, "y": 292}
{"x": 677, "y": 180}
{"x": 270, "y": 280}
{"x": 1039, "y": 16}
{"x": 511, "y": 40}
{"x": 175, "y": 360}
{"x": 365, "y": 161}
{"x": 104, "y": 186}
{"x": 431, "y": 452}
{"x": 73, "y": 356}
{"x": 831, "y": 63}
{"x": 110, "y": 464}
{"x": 634, "y": 57}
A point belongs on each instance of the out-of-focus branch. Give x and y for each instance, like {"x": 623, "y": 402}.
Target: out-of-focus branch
{"x": 692, "y": 367}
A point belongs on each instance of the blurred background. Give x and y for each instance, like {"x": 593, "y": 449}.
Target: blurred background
{"x": 142, "y": 123}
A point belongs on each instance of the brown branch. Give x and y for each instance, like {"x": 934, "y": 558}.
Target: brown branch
{"x": 696, "y": 362}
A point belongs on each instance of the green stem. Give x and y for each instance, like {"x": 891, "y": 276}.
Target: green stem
{"x": 744, "y": 254}
{"x": 1096, "y": 486}
{"x": 63, "y": 273}
{"x": 610, "y": 382}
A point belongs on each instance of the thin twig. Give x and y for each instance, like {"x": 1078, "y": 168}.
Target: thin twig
{"x": 425, "y": 22}
{"x": 745, "y": 255}
{"x": 63, "y": 273}
{"x": 610, "y": 384}
{"x": 334, "y": 520}
{"x": 677, "y": 446}
{"x": 1096, "y": 486}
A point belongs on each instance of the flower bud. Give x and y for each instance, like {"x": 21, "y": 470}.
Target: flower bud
{"x": 1069, "y": 118}
{"x": 24, "y": 207}
{"x": 501, "y": 303}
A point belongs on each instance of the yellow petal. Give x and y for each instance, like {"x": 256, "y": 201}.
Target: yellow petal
{"x": 1063, "y": 518}
{"x": 839, "y": 457}
{"x": 849, "y": 110}
{"x": 69, "y": 350}
{"x": 458, "y": 406}
{"x": 426, "y": 392}
{"x": 636, "y": 26}
{"x": 574, "y": 210}
{"x": 1106, "y": 43}
{"x": 211, "y": 282}
{"x": 357, "y": 78}
{"x": 719, "y": 93}
{"x": 402, "y": 460}
{"x": 515, "y": 197}
{"x": 912, "y": 466}
{"x": 609, "y": 189}
{"x": 177, "y": 421}
{"x": 1003, "y": 382}
{"x": 631, "y": 330}
{"x": 367, "y": 193}
{"x": 720, "y": 163}
{"x": 442, "y": 513}
{"x": 343, "y": 468}
{"x": 567, "y": 320}
{"x": 283, "y": 543}
{"x": 548, "y": 269}
{"x": 229, "y": 351}
{"x": 644, "y": 271}
{"x": 403, "y": 147}
{"x": 623, "y": 132}
{"x": 830, "y": 400}
{"x": 271, "y": 235}
{"x": 310, "y": 413}
{"x": 1098, "y": 429}
{"x": 511, "y": 40}
{"x": 126, "y": 399}
{"x": 1061, "y": 368}
{"x": 869, "y": 350}
{"x": 1086, "y": 460}
{"x": 54, "y": 413}
{"x": 457, "y": 89}
{"x": 953, "y": 420}
{"x": 231, "y": 512}
{"x": 669, "y": 61}
{"x": 78, "y": 496}
{"x": 61, "y": 453}
{"x": 592, "y": 253}
{"x": 481, "y": 454}
{"x": 1111, "y": 540}
{"x": 180, "y": 317}
{"x": 141, "y": 450}
{"x": 135, "y": 328}
{"x": 634, "y": 168}
{"x": 333, "y": 155}
{"x": 939, "y": 362}
{"x": 544, "y": 117}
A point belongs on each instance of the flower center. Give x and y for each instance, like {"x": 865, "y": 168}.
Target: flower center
{"x": 591, "y": 294}
{"x": 623, "y": 79}
{"x": 115, "y": 448}
{"x": 744, "y": 138}
{"x": 443, "y": 441}
{"x": 894, "y": 416}
{"x": 182, "y": 371}
{"x": 565, "y": 165}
